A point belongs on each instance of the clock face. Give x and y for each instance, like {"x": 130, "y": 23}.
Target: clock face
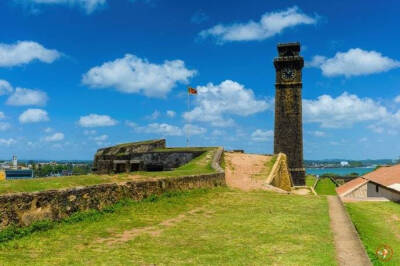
{"x": 288, "y": 74}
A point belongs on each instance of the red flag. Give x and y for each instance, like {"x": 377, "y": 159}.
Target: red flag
{"x": 192, "y": 90}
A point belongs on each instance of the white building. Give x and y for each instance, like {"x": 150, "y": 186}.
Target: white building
{"x": 14, "y": 162}
{"x": 381, "y": 184}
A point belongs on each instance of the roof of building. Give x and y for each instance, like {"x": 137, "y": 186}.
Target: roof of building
{"x": 395, "y": 186}
{"x": 350, "y": 186}
{"x": 386, "y": 175}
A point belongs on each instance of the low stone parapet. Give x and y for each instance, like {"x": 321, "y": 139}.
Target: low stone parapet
{"x": 26, "y": 208}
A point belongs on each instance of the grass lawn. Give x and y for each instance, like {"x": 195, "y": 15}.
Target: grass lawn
{"x": 310, "y": 180}
{"x": 325, "y": 186}
{"x": 377, "y": 223}
{"x": 200, "y": 165}
{"x": 217, "y": 226}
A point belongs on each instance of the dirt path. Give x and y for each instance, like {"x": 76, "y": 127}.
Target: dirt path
{"x": 349, "y": 249}
{"x": 240, "y": 168}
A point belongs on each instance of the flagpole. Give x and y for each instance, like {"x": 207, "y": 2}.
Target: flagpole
{"x": 187, "y": 128}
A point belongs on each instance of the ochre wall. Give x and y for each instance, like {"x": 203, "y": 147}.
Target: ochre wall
{"x": 279, "y": 176}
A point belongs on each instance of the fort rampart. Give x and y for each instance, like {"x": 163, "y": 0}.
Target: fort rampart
{"x": 25, "y": 208}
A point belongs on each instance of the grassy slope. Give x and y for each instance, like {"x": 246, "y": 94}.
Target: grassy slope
{"x": 232, "y": 227}
{"x": 377, "y": 223}
{"x": 325, "y": 187}
{"x": 199, "y": 165}
{"x": 310, "y": 180}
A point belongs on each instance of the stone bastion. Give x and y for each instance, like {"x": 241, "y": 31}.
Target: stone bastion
{"x": 151, "y": 155}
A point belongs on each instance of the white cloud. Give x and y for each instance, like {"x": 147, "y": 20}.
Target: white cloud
{"x": 22, "y": 97}
{"x": 55, "y": 137}
{"x": 261, "y": 135}
{"x": 2, "y": 115}
{"x": 397, "y": 99}
{"x": 101, "y": 138}
{"x": 318, "y": 133}
{"x": 23, "y": 52}
{"x": 376, "y": 128}
{"x": 4, "y": 126}
{"x": 364, "y": 139}
{"x": 95, "y": 120}
{"x": 131, "y": 124}
{"x": 354, "y": 62}
{"x": 5, "y": 87}
{"x": 7, "y": 142}
{"x": 132, "y": 74}
{"x": 88, "y": 5}
{"x": 157, "y": 128}
{"x": 217, "y": 132}
{"x": 48, "y": 130}
{"x": 89, "y": 132}
{"x": 171, "y": 113}
{"x": 270, "y": 24}
{"x": 344, "y": 110}
{"x": 33, "y": 116}
{"x": 194, "y": 130}
{"x": 156, "y": 114}
{"x": 214, "y": 103}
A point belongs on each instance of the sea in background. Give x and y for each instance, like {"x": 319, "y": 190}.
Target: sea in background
{"x": 339, "y": 171}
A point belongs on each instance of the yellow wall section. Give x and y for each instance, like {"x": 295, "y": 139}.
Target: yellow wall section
{"x": 2, "y": 175}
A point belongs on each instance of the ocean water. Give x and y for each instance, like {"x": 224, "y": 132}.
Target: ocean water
{"x": 339, "y": 171}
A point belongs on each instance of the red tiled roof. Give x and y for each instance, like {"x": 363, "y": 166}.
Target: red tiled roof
{"x": 347, "y": 187}
{"x": 385, "y": 176}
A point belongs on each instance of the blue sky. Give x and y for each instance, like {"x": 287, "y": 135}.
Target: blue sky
{"x": 76, "y": 75}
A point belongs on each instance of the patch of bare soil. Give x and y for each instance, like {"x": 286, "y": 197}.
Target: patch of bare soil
{"x": 302, "y": 191}
{"x": 241, "y": 167}
{"x": 155, "y": 230}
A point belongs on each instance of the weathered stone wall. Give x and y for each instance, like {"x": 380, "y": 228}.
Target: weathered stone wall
{"x": 148, "y": 161}
{"x": 103, "y": 159}
{"x": 279, "y": 176}
{"x": 25, "y": 208}
{"x": 358, "y": 193}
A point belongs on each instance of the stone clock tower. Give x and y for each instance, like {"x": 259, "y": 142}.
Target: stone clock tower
{"x": 288, "y": 109}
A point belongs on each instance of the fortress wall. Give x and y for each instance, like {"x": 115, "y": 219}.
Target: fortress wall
{"x": 279, "y": 176}
{"x": 25, "y": 208}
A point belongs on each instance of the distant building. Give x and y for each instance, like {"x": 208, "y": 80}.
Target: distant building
{"x": 344, "y": 164}
{"x": 14, "y": 162}
{"x": 4, "y": 165}
{"x": 381, "y": 184}
{"x": 18, "y": 174}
